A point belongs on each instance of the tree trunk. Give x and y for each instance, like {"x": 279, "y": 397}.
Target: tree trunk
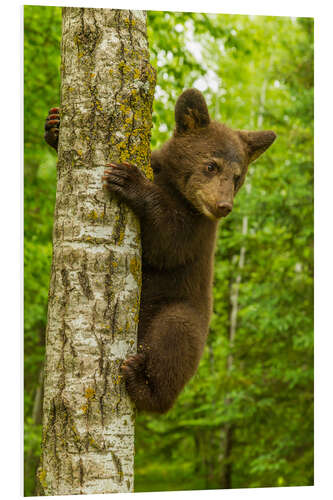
{"x": 106, "y": 99}
{"x": 227, "y": 464}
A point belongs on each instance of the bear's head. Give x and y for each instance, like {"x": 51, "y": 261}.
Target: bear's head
{"x": 205, "y": 160}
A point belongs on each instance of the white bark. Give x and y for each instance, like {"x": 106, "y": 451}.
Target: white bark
{"x": 106, "y": 98}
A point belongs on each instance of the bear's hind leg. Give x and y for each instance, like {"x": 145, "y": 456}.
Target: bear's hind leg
{"x": 172, "y": 349}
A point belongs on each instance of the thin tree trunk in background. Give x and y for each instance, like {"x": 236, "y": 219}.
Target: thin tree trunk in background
{"x": 228, "y": 435}
{"x": 106, "y": 100}
{"x": 235, "y": 290}
{"x": 227, "y": 467}
{"x": 234, "y": 293}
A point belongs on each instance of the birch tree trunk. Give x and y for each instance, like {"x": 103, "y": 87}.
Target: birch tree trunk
{"x": 106, "y": 99}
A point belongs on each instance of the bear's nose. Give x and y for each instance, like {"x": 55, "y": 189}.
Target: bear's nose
{"x": 224, "y": 208}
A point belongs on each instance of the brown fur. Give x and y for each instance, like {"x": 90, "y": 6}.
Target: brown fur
{"x": 197, "y": 174}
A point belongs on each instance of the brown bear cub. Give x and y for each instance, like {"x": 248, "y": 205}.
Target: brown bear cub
{"x": 197, "y": 174}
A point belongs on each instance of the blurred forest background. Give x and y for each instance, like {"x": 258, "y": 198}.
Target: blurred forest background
{"x": 246, "y": 418}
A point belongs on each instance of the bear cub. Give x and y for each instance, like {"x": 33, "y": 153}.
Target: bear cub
{"x": 197, "y": 174}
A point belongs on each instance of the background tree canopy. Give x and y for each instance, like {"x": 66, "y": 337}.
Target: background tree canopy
{"x": 246, "y": 418}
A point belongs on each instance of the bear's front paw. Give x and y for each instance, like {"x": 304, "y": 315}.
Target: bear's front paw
{"x": 52, "y": 124}
{"x": 133, "y": 368}
{"x": 127, "y": 181}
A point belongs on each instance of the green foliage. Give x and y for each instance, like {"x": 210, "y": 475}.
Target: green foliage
{"x": 42, "y": 31}
{"x": 252, "y": 420}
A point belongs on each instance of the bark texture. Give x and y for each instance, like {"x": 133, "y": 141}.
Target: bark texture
{"x": 106, "y": 100}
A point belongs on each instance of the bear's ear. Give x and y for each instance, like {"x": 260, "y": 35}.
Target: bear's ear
{"x": 191, "y": 111}
{"x": 257, "y": 142}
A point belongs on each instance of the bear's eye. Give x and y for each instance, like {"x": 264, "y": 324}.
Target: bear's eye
{"x": 211, "y": 167}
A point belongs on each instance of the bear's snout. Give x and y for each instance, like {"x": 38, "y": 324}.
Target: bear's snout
{"x": 223, "y": 208}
